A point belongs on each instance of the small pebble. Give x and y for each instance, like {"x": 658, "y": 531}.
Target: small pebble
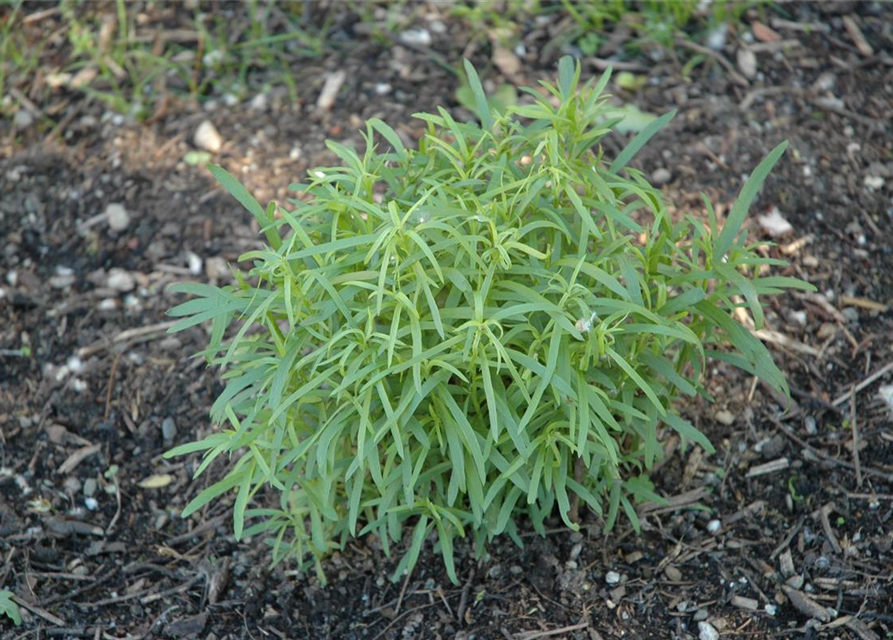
{"x": 74, "y": 364}
{"x": 117, "y": 216}
{"x": 612, "y": 577}
{"x": 207, "y": 137}
{"x": 707, "y": 632}
{"x": 725, "y": 417}
{"x": 91, "y": 504}
{"x": 22, "y": 120}
{"x": 260, "y": 102}
{"x": 714, "y": 527}
{"x": 661, "y": 176}
{"x": 771, "y": 609}
{"x": 716, "y": 39}
{"x": 90, "y": 487}
{"x": 195, "y": 263}
{"x": 168, "y": 429}
{"x": 64, "y": 278}
{"x": 216, "y": 269}
{"x": 673, "y": 574}
{"x": 873, "y": 182}
{"x": 700, "y": 614}
{"x": 418, "y": 37}
{"x": 120, "y": 280}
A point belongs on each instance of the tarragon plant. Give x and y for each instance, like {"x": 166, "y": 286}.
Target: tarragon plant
{"x": 451, "y": 338}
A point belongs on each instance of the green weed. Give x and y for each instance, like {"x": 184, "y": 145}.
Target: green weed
{"x": 493, "y": 326}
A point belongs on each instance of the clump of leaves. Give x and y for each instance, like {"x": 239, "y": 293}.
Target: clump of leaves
{"x": 491, "y": 327}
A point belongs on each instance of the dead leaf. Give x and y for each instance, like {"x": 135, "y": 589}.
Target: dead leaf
{"x": 774, "y": 223}
{"x": 506, "y": 61}
{"x": 76, "y": 458}
{"x": 806, "y": 605}
{"x": 156, "y": 481}
{"x": 84, "y": 77}
{"x": 763, "y": 33}
{"x": 858, "y": 39}
{"x": 60, "y": 435}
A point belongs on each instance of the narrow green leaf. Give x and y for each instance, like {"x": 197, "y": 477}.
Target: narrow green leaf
{"x": 742, "y": 205}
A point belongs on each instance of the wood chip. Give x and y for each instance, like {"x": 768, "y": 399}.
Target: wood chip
{"x": 330, "y": 89}
{"x": 805, "y": 27}
{"x": 786, "y": 564}
{"x": 76, "y": 458}
{"x": 745, "y": 603}
{"x": 806, "y": 605}
{"x": 746, "y": 512}
{"x": 65, "y": 527}
{"x": 41, "y": 613}
{"x": 60, "y": 435}
{"x": 864, "y": 303}
{"x": 861, "y": 629}
{"x": 772, "y": 466}
{"x": 829, "y": 531}
{"x": 776, "y": 337}
{"x": 858, "y": 39}
{"x": 219, "y": 580}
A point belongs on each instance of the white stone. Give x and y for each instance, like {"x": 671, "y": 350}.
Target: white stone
{"x": 706, "y": 631}
{"x": 259, "y": 102}
{"x": 117, "y": 216}
{"x": 195, "y": 263}
{"x": 661, "y": 176}
{"x": 418, "y": 37}
{"x": 120, "y": 280}
{"x": 207, "y": 137}
{"x": 873, "y": 182}
{"x": 612, "y": 577}
{"x": 716, "y": 39}
{"x": 714, "y": 527}
{"x": 886, "y": 394}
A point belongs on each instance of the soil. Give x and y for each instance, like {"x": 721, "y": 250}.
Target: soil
{"x": 786, "y": 531}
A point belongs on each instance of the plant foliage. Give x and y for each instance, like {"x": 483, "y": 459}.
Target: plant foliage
{"x": 489, "y": 327}
{"x": 9, "y": 608}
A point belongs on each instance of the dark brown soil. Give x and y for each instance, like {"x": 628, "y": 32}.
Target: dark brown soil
{"x": 749, "y": 555}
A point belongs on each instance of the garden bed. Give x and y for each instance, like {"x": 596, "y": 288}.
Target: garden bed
{"x": 785, "y": 530}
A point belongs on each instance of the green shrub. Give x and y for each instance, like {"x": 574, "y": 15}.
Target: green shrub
{"x": 456, "y": 337}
